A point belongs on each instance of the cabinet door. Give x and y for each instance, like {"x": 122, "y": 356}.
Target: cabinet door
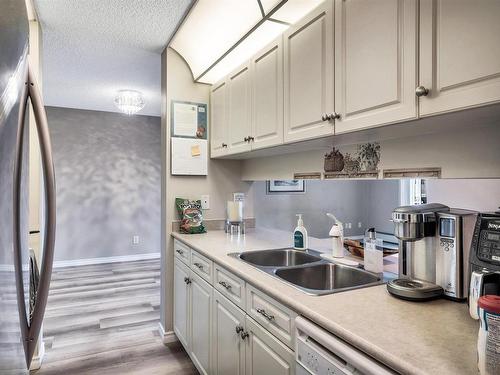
{"x": 375, "y": 62}
{"x": 228, "y": 348}
{"x": 181, "y": 302}
{"x": 239, "y": 110}
{"x": 308, "y": 75}
{"x": 459, "y": 54}
{"x": 201, "y": 315}
{"x": 265, "y": 354}
{"x": 218, "y": 127}
{"x": 267, "y": 96}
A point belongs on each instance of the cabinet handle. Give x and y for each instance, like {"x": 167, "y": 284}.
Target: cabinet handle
{"x": 334, "y": 116}
{"x": 225, "y": 285}
{"x": 187, "y": 280}
{"x": 265, "y": 314}
{"x": 251, "y": 139}
{"x": 179, "y": 251}
{"x": 244, "y": 335}
{"x": 239, "y": 329}
{"x": 421, "y": 91}
{"x": 199, "y": 265}
{"x": 246, "y": 139}
{"x": 324, "y": 117}
{"x": 224, "y": 145}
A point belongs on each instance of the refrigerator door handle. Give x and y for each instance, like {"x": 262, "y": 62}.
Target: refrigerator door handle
{"x": 31, "y": 329}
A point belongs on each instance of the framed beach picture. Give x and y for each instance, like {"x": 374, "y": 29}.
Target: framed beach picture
{"x": 286, "y": 186}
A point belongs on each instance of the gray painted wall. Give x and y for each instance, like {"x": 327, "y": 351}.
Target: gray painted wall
{"x": 108, "y": 176}
{"x": 368, "y": 202}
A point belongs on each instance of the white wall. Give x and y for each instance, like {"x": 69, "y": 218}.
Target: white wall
{"x": 474, "y": 194}
{"x": 223, "y": 179}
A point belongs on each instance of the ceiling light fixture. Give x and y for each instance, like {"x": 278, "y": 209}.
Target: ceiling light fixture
{"x": 129, "y": 101}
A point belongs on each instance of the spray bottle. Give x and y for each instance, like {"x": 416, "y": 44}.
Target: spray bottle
{"x": 337, "y": 234}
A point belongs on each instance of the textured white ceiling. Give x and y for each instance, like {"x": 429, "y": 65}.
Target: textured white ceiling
{"x": 93, "y": 48}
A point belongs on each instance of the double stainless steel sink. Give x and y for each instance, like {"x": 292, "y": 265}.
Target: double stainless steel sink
{"x": 307, "y": 271}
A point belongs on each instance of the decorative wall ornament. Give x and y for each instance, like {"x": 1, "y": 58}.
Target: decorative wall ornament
{"x": 334, "y": 161}
{"x": 369, "y": 156}
{"x": 352, "y": 166}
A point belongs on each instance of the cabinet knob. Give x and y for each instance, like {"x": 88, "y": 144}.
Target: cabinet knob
{"x": 335, "y": 116}
{"x": 246, "y": 139}
{"x": 224, "y": 145}
{"x": 179, "y": 251}
{"x": 244, "y": 335}
{"x": 251, "y": 139}
{"x": 421, "y": 91}
{"x": 239, "y": 329}
{"x": 187, "y": 280}
{"x": 199, "y": 265}
{"x": 324, "y": 117}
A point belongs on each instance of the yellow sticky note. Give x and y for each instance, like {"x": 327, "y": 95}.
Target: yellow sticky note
{"x": 195, "y": 150}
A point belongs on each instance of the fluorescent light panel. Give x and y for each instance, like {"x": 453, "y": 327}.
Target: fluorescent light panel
{"x": 214, "y": 26}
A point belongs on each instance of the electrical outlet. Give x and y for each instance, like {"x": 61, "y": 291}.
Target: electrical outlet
{"x": 239, "y": 197}
{"x": 348, "y": 225}
{"x": 360, "y": 224}
{"x": 205, "y": 202}
{"x": 135, "y": 240}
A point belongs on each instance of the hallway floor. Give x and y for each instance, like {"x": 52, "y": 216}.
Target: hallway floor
{"x": 103, "y": 319}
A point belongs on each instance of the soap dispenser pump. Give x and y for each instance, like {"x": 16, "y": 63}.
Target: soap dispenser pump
{"x": 337, "y": 235}
{"x": 300, "y": 235}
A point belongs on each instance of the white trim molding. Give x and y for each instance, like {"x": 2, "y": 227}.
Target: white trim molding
{"x": 117, "y": 259}
{"x": 167, "y": 337}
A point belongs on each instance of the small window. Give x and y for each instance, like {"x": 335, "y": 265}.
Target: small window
{"x": 413, "y": 191}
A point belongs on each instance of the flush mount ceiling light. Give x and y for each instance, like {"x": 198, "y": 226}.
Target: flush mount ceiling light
{"x": 129, "y": 101}
{"x": 218, "y": 36}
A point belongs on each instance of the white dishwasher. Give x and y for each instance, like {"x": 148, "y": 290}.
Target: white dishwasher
{"x": 319, "y": 352}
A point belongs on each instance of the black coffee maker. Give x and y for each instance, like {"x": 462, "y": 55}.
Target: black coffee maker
{"x": 484, "y": 260}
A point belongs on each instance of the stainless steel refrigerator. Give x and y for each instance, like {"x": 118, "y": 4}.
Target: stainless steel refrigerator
{"x": 24, "y": 287}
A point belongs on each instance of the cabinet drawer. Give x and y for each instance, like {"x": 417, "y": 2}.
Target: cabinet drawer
{"x": 272, "y": 315}
{"x": 182, "y": 251}
{"x": 231, "y": 286}
{"x": 202, "y": 266}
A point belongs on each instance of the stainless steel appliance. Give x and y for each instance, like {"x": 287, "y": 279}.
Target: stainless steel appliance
{"x": 20, "y": 322}
{"x": 484, "y": 259}
{"x": 433, "y": 243}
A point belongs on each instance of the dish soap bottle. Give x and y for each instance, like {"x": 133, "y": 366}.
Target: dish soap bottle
{"x": 337, "y": 235}
{"x": 300, "y": 235}
{"x": 374, "y": 258}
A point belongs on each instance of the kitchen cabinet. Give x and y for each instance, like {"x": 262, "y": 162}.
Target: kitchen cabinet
{"x": 267, "y": 96}
{"x": 265, "y": 354}
{"x": 239, "y": 110}
{"x": 375, "y": 62}
{"x": 218, "y": 123}
{"x": 227, "y": 346}
{"x": 459, "y": 54}
{"x": 181, "y": 302}
{"x": 309, "y": 76}
{"x": 200, "y": 322}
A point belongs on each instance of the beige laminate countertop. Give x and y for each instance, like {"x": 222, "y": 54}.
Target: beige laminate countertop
{"x": 436, "y": 337}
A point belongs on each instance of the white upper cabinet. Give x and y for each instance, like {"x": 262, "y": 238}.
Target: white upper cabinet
{"x": 239, "y": 110}
{"x": 375, "y": 62}
{"x": 267, "y": 96}
{"x": 308, "y": 75}
{"x": 218, "y": 124}
{"x": 459, "y": 54}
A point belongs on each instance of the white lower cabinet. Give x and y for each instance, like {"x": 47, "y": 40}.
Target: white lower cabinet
{"x": 181, "y": 302}
{"x": 227, "y": 346}
{"x": 200, "y": 319}
{"x": 218, "y": 334}
{"x": 265, "y": 354}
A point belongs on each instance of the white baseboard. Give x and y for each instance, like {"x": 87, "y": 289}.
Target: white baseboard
{"x": 37, "y": 360}
{"x": 167, "y": 337}
{"x": 118, "y": 259}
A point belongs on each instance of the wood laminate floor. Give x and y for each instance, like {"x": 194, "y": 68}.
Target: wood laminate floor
{"x": 103, "y": 319}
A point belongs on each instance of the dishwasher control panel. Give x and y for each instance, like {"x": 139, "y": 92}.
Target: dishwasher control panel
{"x": 319, "y": 352}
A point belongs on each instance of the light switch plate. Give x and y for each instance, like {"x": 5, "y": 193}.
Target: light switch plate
{"x": 205, "y": 202}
